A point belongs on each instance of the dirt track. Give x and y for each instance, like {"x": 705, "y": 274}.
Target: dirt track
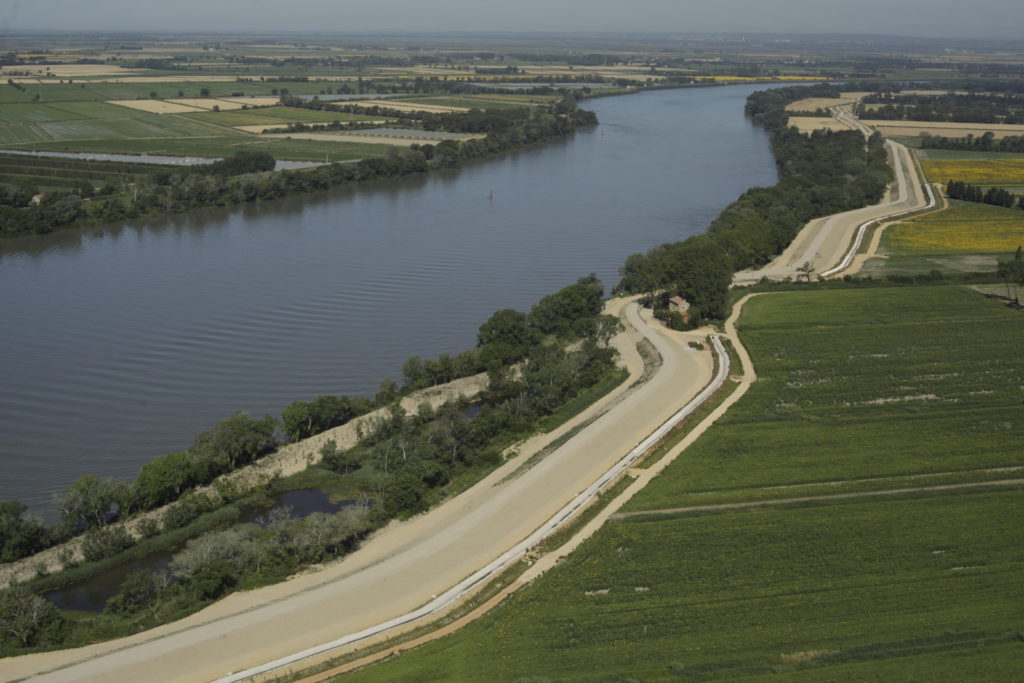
{"x": 407, "y": 563}
{"x": 813, "y": 499}
{"x": 824, "y": 241}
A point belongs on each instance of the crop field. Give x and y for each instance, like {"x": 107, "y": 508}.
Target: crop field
{"x": 893, "y": 587}
{"x": 944, "y": 129}
{"x": 38, "y": 112}
{"x": 989, "y": 172}
{"x": 881, "y": 383}
{"x": 222, "y": 146}
{"x": 965, "y": 227}
{"x": 276, "y": 115}
{"x": 482, "y": 101}
{"x": 105, "y": 91}
{"x": 62, "y": 173}
{"x": 958, "y": 155}
{"x": 114, "y": 129}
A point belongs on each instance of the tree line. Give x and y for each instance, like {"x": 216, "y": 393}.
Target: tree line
{"x": 950, "y": 107}
{"x": 819, "y": 174}
{"x": 981, "y": 143}
{"x": 996, "y": 196}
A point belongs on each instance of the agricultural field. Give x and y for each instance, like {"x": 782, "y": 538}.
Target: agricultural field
{"x": 966, "y": 237}
{"x": 943, "y": 129}
{"x": 854, "y": 386}
{"x": 956, "y": 155}
{"x": 986, "y": 172}
{"x": 49, "y": 173}
{"x": 965, "y": 227}
{"x": 279, "y": 116}
{"x": 485, "y": 101}
{"x": 223, "y": 146}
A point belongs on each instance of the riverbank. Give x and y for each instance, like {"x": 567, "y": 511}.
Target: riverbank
{"x": 286, "y": 461}
{"x": 402, "y": 549}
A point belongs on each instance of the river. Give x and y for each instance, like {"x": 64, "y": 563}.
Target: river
{"x": 120, "y": 344}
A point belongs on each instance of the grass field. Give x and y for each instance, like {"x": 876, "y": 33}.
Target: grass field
{"x": 901, "y": 587}
{"x": 987, "y": 172}
{"x": 870, "y": 374}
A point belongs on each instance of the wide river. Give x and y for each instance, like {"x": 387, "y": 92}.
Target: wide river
{"x": 121, "y": 344}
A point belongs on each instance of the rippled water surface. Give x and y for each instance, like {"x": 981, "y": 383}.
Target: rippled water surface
{"x": 119, "y": 345}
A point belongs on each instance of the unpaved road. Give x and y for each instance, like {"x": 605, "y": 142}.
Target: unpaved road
{"x": 812, "y": 499}
{"x": 403, "y": 566}
{"x": 825, "y": 241}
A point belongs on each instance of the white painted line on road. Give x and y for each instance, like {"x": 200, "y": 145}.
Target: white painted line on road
{"x": 548, "y": 528}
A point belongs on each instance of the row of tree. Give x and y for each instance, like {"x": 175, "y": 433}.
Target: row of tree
{"x": 996, "y": 196}
{"x": 961, "y": 108}
{"x": 982, "y": 143}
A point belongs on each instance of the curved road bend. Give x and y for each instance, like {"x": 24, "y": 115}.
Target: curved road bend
{"x": 401, "y": 568}
{"x": 824, "y": 241}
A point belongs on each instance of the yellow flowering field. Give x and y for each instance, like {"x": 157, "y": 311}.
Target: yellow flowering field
{"x": 964, "y": 227}
{"x": 976, "y": 171}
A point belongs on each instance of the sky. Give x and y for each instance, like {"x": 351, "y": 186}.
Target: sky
{"x": 999, "y": 19}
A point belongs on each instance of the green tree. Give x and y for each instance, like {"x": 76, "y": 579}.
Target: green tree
{"x": 92, "y": 502}
{"x": 27, "y": 620}
{"x": 506, "y": 337}
{"x": 20, "y": 537}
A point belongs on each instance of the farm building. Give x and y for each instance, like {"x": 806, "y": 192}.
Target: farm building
{"x": 680, "y": 306}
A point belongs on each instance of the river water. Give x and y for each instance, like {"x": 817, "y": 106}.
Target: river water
{"x": 121, "y": 344}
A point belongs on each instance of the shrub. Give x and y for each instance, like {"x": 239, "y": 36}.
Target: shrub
{"x": 100, "y": 543}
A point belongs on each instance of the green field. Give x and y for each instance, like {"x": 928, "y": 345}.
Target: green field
{"x": 221, "y": 146}
{"x": 97, "y": 89}
{"x": 898, "y": 587}
{"x": 966, "y": 237}
{"x": 84, "y": 120}
{"x": 276, "y": 115}
{"x": 849, "y": 378}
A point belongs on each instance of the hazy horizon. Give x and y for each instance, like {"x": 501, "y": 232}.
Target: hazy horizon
{"x": 994, "y": 19}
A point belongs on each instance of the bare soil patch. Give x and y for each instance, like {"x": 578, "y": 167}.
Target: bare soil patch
{"x": 156, "y": 106}
{"x": 68, "y": 70}
{"x": 200, "y": 103}
{"x": 412, "y": 106}
{"x": 252, "y": 101}
{"x": 954, "y": 130}
{"x": 806, "y": 124}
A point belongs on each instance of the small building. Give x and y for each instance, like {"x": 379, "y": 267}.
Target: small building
{"x": 680, "y": 306}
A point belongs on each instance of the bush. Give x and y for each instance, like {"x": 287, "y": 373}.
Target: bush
{"x": 189, "y": 508}
{"x": 100, "y": 543}
{"x": 149, "y": 527}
